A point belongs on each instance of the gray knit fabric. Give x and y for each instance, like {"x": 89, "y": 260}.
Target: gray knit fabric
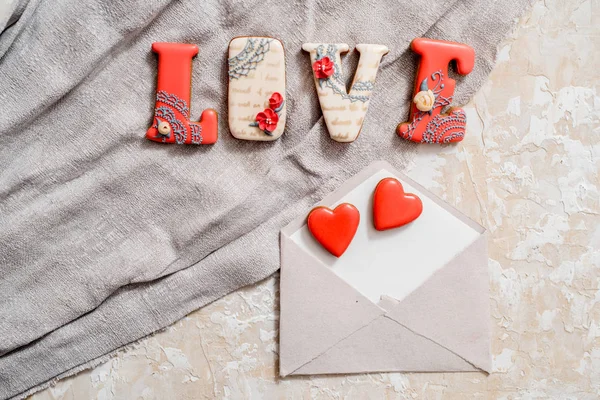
{"x": 105, "y": 236}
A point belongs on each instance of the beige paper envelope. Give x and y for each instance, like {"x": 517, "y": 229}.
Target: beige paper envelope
{"x": 412, "y": 299}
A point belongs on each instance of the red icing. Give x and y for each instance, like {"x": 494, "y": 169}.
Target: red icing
{"x": 275, "y": 101}
{"x": 435, "y": 56}
{"x": 323, "y": 68}
{"x": 267, "y": 120}
{"x": 334, "y": 229}
{"x": 392, "y": 207}
{"x": 174, "y": 78}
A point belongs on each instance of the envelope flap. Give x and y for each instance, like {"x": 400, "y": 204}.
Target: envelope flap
{"x": 318, "y": 309}
{"x": 452, "y": 307}
{"x": 385, "y": 345}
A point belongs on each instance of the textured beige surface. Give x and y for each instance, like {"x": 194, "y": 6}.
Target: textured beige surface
{"x": 527, "y": 170}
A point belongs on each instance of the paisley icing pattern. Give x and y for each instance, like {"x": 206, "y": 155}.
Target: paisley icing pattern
{"x": 171, "y": 122}
{"x": 429, "y": 121}
{"x": 441, "y": 128}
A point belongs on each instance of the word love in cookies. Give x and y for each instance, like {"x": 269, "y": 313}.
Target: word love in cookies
{"x": 258, "y": 101}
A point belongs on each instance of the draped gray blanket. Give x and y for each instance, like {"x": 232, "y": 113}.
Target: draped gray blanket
{"x": 105, "y": 236}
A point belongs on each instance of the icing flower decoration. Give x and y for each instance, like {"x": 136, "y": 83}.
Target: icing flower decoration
{"x": 163, "y": 127}
{"x": 323, "y": 68}
{"x": 276, "y": 101}
{"x": 267, "y": 120}
{"x": 424, "y": 100}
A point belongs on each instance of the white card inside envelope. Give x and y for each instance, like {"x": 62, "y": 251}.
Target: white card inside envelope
{"x": 432, "y": 274}
{"x": 397, "y": 261}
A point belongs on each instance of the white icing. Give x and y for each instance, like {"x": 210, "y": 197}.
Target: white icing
{"x": 249, "y": 92}
{"x": 343, "y": 112}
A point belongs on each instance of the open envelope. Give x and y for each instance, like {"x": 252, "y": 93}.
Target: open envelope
{"x": 414, "y": 298}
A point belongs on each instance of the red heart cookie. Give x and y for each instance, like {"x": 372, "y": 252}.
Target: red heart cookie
{"x": 334, "y": 229}
{"x": 392, "y": 207}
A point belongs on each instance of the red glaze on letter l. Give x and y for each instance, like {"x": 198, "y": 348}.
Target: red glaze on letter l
{"x": 173, "y": 90}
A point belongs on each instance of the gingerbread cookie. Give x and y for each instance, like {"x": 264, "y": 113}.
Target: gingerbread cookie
{"x": 257, "y": 106}
{"x": 334, "y": 229}
{"x": 172, "y": 111}
{"x": 433, "y": 93}
{"x": 344, "y": 112}
{"x": 392, "y": 207}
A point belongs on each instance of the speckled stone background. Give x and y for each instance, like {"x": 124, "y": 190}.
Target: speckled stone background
{"x": 528, "y": 170}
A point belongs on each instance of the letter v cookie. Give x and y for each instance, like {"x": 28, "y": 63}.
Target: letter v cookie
{"x": 343, "y": 111}
{"x": 257, "y": 104}
{"x": 173, "y": 90}
{"x": 433, "y": 93}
